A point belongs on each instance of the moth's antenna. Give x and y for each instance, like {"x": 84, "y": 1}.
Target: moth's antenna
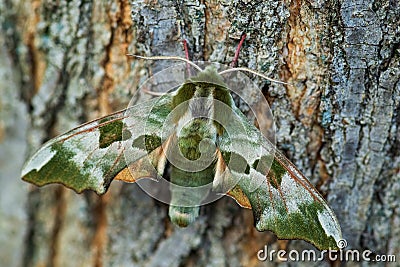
{"x": 167, "y": 58}
{"x": 252, "y": 72}
{"x": 147, "y": 91}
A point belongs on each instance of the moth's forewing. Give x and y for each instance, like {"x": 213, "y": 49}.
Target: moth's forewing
{"x": 283, "y": 201}
{"x": 86, "y": 157}
{"x": 91, "y": 155}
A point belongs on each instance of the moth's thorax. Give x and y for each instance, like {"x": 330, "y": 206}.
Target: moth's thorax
{"x": 197, "y": 137}
{"x": 206, "y": 83}
{"x": 203, "y": 96}
{"x": 201, "y": 105}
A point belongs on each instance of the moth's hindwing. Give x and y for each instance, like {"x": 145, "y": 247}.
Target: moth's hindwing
{"x": 282, "y": 199}
{"x": 91, "y": 155}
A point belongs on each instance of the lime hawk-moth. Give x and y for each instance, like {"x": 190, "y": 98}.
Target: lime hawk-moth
{"x": 208, "y": 145}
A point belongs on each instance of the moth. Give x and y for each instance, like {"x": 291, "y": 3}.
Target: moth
{"x": 208, "y": 145}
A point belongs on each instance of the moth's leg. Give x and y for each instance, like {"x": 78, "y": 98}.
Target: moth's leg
{"x": 235, "y": 59}
{"x": 234, "y": 63}
{"x": 186, "y": 49}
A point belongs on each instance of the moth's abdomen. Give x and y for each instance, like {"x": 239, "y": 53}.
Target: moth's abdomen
{"x": 188, "y": 190}
{"x": 183, "y": 216}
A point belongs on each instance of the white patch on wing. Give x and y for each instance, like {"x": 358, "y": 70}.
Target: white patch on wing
{"x": 294, "y": 193}
{"x": 329, "y": 225}
{"x": 267, "y": 218}
{"x": 41, "y": 158}
{"x": 80, "y": 151}
{"x": 256, "y": 180}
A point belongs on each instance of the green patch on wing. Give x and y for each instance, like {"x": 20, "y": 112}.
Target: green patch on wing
{"x": 147, "y": 142}
{"x": 272, "y": 168}
{"x": 236, "y": 162}
{"x": 160, "y": 111}
{"x": 276, "y": 173}
{"x": 110, "y": 133}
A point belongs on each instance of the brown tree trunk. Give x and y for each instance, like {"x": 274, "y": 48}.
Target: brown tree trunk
{"x": 63, "y": 63}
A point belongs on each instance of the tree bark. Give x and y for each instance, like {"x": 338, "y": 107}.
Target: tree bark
{"x": 64, "y": 63}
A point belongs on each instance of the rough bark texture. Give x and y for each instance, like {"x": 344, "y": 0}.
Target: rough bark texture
{"x": 63, "y": 63}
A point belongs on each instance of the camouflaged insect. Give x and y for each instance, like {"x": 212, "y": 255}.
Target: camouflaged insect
{"x": 244, "y": 166}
